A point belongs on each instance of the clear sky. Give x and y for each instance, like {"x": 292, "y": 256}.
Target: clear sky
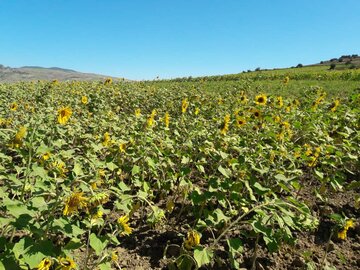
{"x": 142, "y": 39}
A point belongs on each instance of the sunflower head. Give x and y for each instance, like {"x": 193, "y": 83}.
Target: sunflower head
{"x": 108, "y": 81}
{"x": 279, "y": 102}
{"x": 137, "y": 112}
{"x": 192, "y": 240}
{"x": 75, "y": 202}
{"x": 261, "y": 99}
{"x": 45, "y": 264}
{"x": 184, "y": 105}
{"x": 84, "y": 100}
{"x": 66, "y": 264}
{"x": 256, "y": 113}
{"x": 123, "y": 222}
{"x": 240, "y": 121}
{"x": 64, "y": 115}
{"x": 13, "y": 106}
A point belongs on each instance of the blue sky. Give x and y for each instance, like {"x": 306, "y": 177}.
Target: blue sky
{"x": 142, "y": 39}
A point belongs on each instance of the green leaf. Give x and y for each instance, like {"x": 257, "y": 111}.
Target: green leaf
{"x": 319, "y": 174}
{"x": 78, "y": 169}
{"x": 202, "y": 256}
{"x": 184, "y": 263}
{"x": 281, "y": 177}
{"x": 74, "y": 243}
{"x": 151, "y": 163}
{"x": 135, "y": 170}
{"x": 235, "y": 245}
{"x": 185, "y": 160}
{"x": 251, "y": 194}
{"x": 224, "y": 172}
{"x": 38, "y": 171}
{"x": 260, "y": 189}
{"x": 261, "y": 170}
{"x": 97, "y": 244}
{"x": 39, "y": 203}
{"x": 16, "y": 208}
{"x": 111, "y": 166}
{"x": 105, "y": 266}
{"x": 35, "y": 253}
{"x": 260, "y": 228}
{"x": 352, "y": 156}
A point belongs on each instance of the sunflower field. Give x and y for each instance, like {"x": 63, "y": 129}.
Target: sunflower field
{"x": 180, "y": 175}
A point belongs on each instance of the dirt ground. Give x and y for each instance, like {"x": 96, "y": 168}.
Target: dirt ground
{"x": 145, "y": 248}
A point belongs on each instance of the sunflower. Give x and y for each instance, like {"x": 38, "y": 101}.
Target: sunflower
{"x": 84, "y": 100}
{"x": 334, "y": 105}
{"x": 192, "y": 240}
{"x": 150, "y": 121}
{"x": 279, "y": 102}
{"x": 106, "y": 139}
{"x": 19, "y": 136}
{"x": 184, "y": 105}
{"x": 243, "y": 98}
{"x": 114, "y": 256}
{"x": 137, "y": 112}
{"x": 286, "y": 80}
{"x": 108, "y": 81}
{"x": 285, "y": 125}
{"x": 64, "y": 115}
{"x": 45, "y": 264}
{"x": 240, "y": 121}
{"x": 296, "y": 102}
{"x": 261, "y": 99}
{"x": 167, "y": 119}
{"x": 256, "y": 113}
{"x": 288, "y": 108}
{"x": 74, "y": 202}
{"x": 225, "y": 125}
{"x": 66, "y": 264}
{"x": 46, "y": 156}
{"x": 277, "y": 119}
{"x": 197, "y": 110}
{"x": 123, "y": 222}
{"x": 59, "y": 167}
{"x": 122, "y": 147}
{"x": 348, "y": 224}
{"x": 13, "y": 106}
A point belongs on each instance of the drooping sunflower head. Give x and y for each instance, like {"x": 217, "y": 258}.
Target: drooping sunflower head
{"x": 123, "y": 222}
{"x": 225, "y": 125}
{"x": 286, "y": 80}
{"x": 45, "y": 264}
{"x": 261, "y": 99}
{"x": 84, "y": 100}
{"x": 66, "y": 264}
{"x": 184, "y": 105}
{"x": 192, "y": 240}
{"x": 108, "y": 81}
{"x": 106, "y": 139}
{"x": 137, "y": 112}
{"x": 334, "y": 105}
{"x": 19, "y": 136}
{"x": 64, "y": 115}
{"x": 76, "y": 201}
{"x": 167, "y": 119}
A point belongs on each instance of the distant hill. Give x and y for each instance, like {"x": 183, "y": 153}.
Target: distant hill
{"x": 335, "y": 68}
{"x": 34, "y": 73}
